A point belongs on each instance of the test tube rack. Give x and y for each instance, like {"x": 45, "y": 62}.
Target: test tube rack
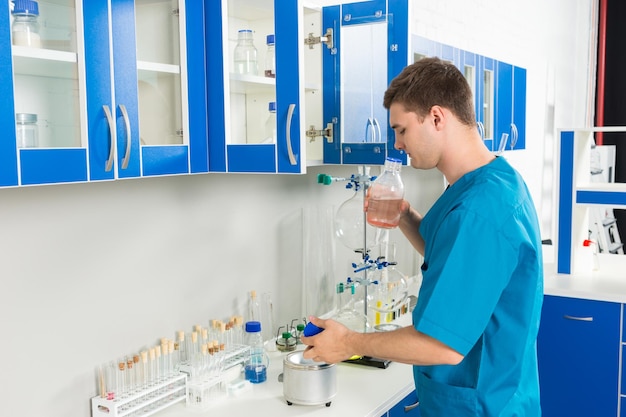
{"x": 145, "y": 402}
{"x": 202, "y": 392}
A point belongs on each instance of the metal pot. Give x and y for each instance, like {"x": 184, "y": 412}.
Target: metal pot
{"x": 308, "y": 382}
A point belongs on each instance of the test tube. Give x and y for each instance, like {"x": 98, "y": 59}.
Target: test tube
{"x": 182, "y": 352}
{"x": 130, "y": 375}
{"x": 159, "y": 365}
{"x": 144, "y": 369}
{"x": 110, "y": 380}
{"x": 121, "y": 377}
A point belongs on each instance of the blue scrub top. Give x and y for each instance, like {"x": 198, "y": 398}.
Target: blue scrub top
{"x": 481, "y": 294}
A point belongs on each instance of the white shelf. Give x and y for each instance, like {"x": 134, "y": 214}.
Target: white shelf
{"x": 158, "y": 67}
{"x": 44, "y": 62}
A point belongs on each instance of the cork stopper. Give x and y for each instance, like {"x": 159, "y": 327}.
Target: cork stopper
{"x": 144, "y": 356}
{"x": 136, "y": 358}
{"x": 181, "y": 336}
{"x": 194, "y": 337}
{"x": 253, "y": 294}
{"x": 157, "y": 351}
{"x": 152, "y": 354}
{"x": 121, "y": 365}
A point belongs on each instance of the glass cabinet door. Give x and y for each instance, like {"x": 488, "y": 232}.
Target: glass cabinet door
{"x": 47, "y": 97}
{"x": 371, "y": 40}
{"x": 254, "y": 48}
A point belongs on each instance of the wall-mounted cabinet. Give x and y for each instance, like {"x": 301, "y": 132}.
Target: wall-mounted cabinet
{"x": 371, "y": 48}
{"x": 499, "y": 91}
{"x": 115, "y": 89}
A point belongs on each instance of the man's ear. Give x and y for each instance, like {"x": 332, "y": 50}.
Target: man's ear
{"x": 438, "y": 116}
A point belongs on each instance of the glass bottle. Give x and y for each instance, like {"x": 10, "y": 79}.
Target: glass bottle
{"x": 26, "y": 130}
{"x": 256, "y": 365}
{"x": 25, "y": 26}
{"x": 385, "y": 196}
{"x": 270, "y": 124}
{"x": 245, "y": 53}
{"x": 270, "y": 57}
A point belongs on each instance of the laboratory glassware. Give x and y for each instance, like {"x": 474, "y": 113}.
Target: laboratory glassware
{"x": 27, "y": 132}
{"x": 256, "y": 366}
{"x": 245, "y": 53}
{"x": 270, "y": 57}
{"x": 25, "y": 27}
{"x": 385, "y": 196}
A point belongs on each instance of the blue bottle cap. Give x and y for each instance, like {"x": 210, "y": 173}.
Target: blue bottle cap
{"x": 270, "y": 39}
{"x": 28, "y": 7}
{"x": 253, "y": 327}
{"x": 271, "y": 106}
{"x": 311, "y": 330}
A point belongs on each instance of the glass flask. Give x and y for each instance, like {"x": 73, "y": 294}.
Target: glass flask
{"x": 25, "y": 26}
{"x": 347, "y": 314}
{"x": 245, "y": 53}
{"x": 351, "y": 228}
{"x": 270, "y": 124}
{"x": 385, "y": 196}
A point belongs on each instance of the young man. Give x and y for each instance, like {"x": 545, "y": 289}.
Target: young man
{"x": 472, "y": 342}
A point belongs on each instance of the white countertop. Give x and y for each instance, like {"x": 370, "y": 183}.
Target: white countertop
{"x": 608, "y": 283}
{"x": 361, "y": 391}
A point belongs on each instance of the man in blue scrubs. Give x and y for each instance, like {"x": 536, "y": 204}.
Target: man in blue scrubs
{"x": 475, "y": 325}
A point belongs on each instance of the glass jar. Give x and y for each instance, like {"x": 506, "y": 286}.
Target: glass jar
{"x": 26, "y": 130}
{"x": 25, "y": 27}
{"x": 245, "y": 53}
{"x": 270, "y": 123}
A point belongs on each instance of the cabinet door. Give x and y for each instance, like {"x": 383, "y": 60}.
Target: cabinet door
{"x": 138, "y": 108}
{"x": 241, "y": 129}
{"x": 43, "y": 80}
{"x": 511, "y": 105}
{"x": 371, "y": 49}
{"x": 578, "y": 352}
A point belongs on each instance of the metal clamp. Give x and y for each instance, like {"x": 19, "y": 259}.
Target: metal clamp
{"x": 326, "y": 38}
{"x": 312, "y": 133}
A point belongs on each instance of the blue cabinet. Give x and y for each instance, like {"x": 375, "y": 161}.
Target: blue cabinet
{"x": 370, "y": 49}
{"x": 578, "y": 351}
{"x": 112, "y": 95}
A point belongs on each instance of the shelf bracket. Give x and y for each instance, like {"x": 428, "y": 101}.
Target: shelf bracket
{"x": 312, "y": 133}
{"x": 326, "y": 38}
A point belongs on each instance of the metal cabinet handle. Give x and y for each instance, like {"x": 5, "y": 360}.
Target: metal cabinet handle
{"x": 379, "y": 136}
{"x": 292, "y": 157}
{"x": 514, "y": 135}
{"x": 369, "y": 123}
{"x": 126, "y": 158}
{"x": 408, "y": 408}
{"x": 109, "y": 163}
{"x": 481, "y": 129}
{"x": 568, "y": 317}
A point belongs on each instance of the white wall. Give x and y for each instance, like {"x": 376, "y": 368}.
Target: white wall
{"x": 91, "y": 272}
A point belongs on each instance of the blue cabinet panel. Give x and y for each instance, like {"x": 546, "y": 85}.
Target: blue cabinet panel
{"x": 126, "y": 93}
{"x": 331, "y": 18}
{"x": 252, "y": 158}
{"x": 47, "y": 166}
{"x": 164, "y": 160}
{"x": 8, "y": 154}
{"x": 578, "y": 349}
{"x": 197, "y": 91}
{"x": 364, "y": 153}
{"x": 287, "y": 87}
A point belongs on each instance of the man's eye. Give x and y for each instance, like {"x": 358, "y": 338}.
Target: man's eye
{"x": 402, "y": 131}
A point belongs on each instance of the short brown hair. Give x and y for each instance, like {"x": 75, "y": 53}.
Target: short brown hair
{"x": 429, "y": 82}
